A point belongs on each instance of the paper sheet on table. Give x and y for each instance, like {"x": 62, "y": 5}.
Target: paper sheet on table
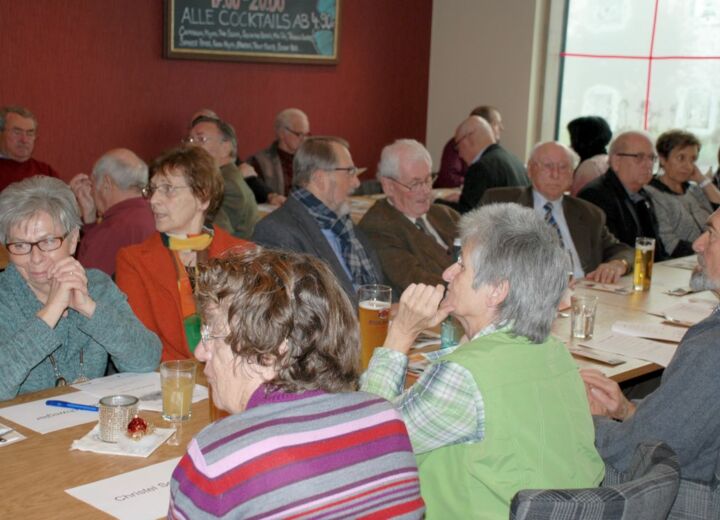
{"x": 659, "y": 331}
{"x": 145, "y": 386}
{"x": 688, "y": 313}
{"x": 605, "y": 287}
{"x": 42, "y": 418}
{"x": 143, "y": 493}
{"x": 683, "y": 263}
{"x": 639, "y": 348}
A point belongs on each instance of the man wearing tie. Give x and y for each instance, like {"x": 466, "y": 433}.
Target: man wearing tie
{"x": 412, "y": 236}
{"x": 594, "y": 252}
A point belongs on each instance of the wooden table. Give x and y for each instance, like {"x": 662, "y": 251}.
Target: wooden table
{"x": 38, "y": 470}
{"x": 633, "y": 307}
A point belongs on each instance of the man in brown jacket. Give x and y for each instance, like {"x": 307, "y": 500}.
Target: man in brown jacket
{"x": 412, "y": 236}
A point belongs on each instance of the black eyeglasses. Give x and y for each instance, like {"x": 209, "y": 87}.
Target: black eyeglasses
{"x": 300, "y": 135}
{"x": 46, "y": 244}
{"x": 640, "y": 157}
{"x": 417, "y": 185}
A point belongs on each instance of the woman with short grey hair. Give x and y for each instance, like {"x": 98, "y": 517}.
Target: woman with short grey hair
{"x": 505, "y": 410}
{"x": 58, "y": 322}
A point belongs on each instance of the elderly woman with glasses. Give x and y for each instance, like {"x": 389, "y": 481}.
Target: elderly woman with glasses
{"x": 280, "y": 346}
{"x": 506, "y": 410}
{"x": 682, "y": 196}
{"x": 58, "y": 322}
{"x": 158, "y": 275}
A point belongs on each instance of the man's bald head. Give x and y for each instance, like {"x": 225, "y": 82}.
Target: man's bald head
{"x": 472, "y": 136}
{"x": 124, "y": 167}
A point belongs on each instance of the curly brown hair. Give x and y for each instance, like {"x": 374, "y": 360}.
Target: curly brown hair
{"x": 275, "y": 298}
{"x": 199, "y": 170}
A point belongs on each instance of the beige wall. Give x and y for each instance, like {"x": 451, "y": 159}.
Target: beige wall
{"x": 488, "y": 52}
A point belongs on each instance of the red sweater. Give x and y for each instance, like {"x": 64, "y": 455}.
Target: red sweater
{"x": 13, "y": 171}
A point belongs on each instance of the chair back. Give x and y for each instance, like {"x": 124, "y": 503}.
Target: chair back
{"x": 648, "y": 493}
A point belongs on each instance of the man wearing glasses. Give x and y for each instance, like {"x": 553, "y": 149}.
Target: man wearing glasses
{"x": 620, "y": 194}
{"x": 594, "y": 252}
{"x": 238, "y": 213}
{"x": 18, "y": 134}
{"x": 412, "y": 236}
{"x": 315, "y": 219}
{"x": 275, "y": 163}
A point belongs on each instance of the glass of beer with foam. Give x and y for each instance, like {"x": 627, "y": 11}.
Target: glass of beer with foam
{"x": 642, "y": 270}
{"x": 374, "y": 312}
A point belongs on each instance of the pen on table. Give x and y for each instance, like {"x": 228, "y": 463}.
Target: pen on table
{"x": 74, "y": 406}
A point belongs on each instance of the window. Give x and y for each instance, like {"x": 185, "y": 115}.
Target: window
{"x": 643, "y": 64}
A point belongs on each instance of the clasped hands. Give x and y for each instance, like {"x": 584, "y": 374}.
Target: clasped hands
{"x": 68, "y": 289}
{"x": 421, "y": 306}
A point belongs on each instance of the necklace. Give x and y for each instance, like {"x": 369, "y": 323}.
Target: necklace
{"x": 60, "y": 380}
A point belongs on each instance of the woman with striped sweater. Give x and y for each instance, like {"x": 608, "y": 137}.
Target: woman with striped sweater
{"x": 280, "y": 348}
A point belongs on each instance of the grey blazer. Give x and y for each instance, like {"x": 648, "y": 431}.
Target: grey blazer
{"x": 292, "y": 228}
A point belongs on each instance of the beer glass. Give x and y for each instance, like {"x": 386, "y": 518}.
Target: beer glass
{"x": 374, "y": 312}
{"x": 177, "y": 380}
{"x": 642, "y": 270}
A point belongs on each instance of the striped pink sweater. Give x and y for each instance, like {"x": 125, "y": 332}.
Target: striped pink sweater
{"x": 308, "y": 455}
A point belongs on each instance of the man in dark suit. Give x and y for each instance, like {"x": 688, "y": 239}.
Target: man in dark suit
{"x": 316, "y": 217}
{"x": 491, "y": 166}
{"x": 596, "y": 253}
{"x": 412, "y": 236}
{"x": 620, "y": 194}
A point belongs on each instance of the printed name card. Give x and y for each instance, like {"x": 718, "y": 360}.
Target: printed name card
{"x": 143, "y": 493}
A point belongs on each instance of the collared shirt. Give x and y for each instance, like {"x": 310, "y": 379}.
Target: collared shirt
{"x": 539, "y": 205}
{"x": 442, "y": 408}
{"x": 334, "y": 242}
{"x": 427, "y": 223}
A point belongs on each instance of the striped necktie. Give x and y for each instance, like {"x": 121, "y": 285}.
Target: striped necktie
{"x": 550, "y": 219}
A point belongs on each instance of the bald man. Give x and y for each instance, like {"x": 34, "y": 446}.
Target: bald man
{"x": 275, "y": 163}
{"x": 595, "y": 252}
{"x": 490, "y": 165}
{"x": 114, "y": 193}
{"x": 620, "y": 194}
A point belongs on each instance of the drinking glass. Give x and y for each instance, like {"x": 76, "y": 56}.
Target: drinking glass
{"x": 374, "y": 312}
{"x": 642, "y": 270}
{"x": 582, "y": 316}
{"x": 177, "y": 379}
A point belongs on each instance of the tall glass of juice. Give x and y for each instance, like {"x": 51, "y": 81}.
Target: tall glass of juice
{"x": 177, "y": 380}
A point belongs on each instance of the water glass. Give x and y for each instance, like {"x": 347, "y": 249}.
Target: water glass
{"x": 582, "y": 316}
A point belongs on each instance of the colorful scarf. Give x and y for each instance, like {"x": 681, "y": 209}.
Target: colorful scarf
{"x": 186, "y": 276}
{"x": 356, "y": 258}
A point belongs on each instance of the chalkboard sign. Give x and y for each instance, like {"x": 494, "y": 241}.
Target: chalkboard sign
{"x": 304, "y": 31}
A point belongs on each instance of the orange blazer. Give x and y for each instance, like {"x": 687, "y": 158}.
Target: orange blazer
{"x": 145, "y": 272}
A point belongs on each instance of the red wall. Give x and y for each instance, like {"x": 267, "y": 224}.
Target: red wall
{"x": 92, "y": 71}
